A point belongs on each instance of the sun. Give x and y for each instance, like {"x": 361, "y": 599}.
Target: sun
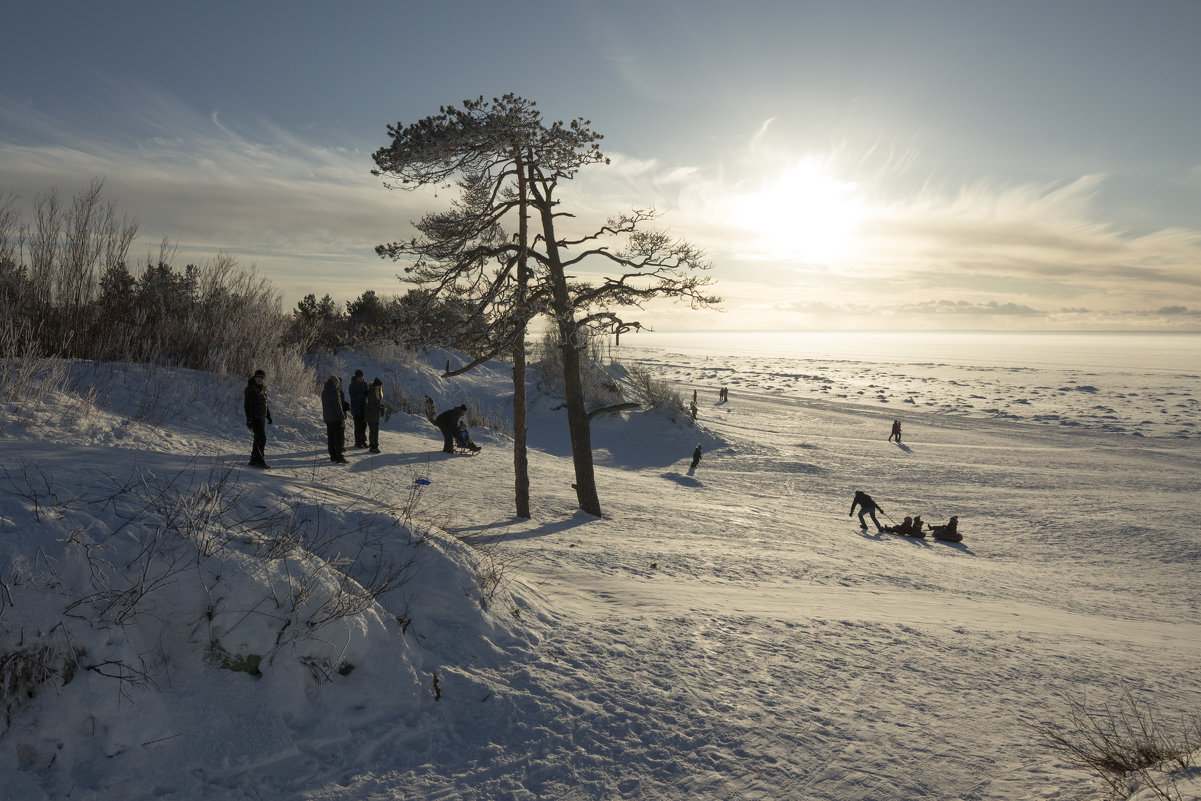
{"x": 804, "y": 213}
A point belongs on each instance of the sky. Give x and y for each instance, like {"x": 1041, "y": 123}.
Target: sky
{"x": 927, "y": 165}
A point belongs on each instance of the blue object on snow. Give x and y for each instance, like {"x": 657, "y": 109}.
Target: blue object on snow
{"x": 422, "y": 481}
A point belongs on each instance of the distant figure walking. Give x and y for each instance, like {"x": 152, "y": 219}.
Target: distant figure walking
{"x": 696, "y": 458}
{"x": 896, "y": 431}
{"x": 333, "y": 410}
{"x": 374, "y": 407}
{"x": 692, "y": 409}
{"x": 358, "y": 407}
{"x": 723, "y": 395}
{"x": 448, "y": 424}
{"x": 258, "y": 415}
{"x": 866, "y": 507}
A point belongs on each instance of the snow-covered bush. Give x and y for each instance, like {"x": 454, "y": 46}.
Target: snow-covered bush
{"x": 1128, "y": 744}
{"x": 153, "y": 568}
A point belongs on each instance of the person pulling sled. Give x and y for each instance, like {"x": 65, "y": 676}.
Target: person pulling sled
{"x": 866, "y": 507}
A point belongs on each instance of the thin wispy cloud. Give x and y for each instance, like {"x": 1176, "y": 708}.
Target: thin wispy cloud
{"x": 308, "y": 216}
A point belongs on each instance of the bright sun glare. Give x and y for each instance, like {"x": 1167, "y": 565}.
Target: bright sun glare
{"x": 804, "y": 213}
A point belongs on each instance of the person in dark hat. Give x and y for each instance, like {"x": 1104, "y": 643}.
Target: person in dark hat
{"x": 696, "y": 459}
{"x": 258, "y": 415}
{"x": 448, "y": 423}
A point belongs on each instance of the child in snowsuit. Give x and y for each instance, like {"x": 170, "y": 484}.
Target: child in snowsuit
{"x": 464, "y": 439}
{"x": 949, "y": 532}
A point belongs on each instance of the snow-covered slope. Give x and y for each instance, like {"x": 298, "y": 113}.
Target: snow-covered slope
{"x": 724, "y": 634}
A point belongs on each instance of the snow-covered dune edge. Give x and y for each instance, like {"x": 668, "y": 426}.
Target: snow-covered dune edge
{"x": 171, "y": 620}
{"x": 723, "y": 633}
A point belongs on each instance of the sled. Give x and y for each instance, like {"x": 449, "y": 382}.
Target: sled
{"x": 948, "y": 536}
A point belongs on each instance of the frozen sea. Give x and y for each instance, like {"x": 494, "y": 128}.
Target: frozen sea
{"x": 1143, "y": 384}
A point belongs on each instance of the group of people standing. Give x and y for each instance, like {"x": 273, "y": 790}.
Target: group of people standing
{"x": 365, "y": 407}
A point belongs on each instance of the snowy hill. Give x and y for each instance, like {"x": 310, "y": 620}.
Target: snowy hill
{"x": 191, "y": 628}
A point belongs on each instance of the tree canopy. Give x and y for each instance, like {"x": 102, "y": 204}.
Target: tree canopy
{"x": 507, "y": 165}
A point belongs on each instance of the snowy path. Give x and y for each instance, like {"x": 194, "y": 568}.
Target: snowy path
{"x": 734, "y": 635}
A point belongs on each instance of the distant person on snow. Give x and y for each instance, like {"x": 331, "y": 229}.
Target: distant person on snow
{"x": 867, "y": 507}
{"x": 333, "y": 409}
{"x": 896, "y": 431}
{"x": 358, "y": 407}
{"x": 448, "y": 424}
{"x": 696, "y": 458}
{"x": 374, "y": 408}
{"x": 258, "y": 415}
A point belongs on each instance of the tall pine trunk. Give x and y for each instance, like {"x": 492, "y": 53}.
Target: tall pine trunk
{"x": 573, "y": 382}
{"x": 521, "y": 460}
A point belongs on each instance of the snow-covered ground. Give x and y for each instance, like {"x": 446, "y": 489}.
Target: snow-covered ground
{"x": 730, "y": 633}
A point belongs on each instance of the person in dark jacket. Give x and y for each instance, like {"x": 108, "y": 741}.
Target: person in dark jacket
{"x": 333, "y": 409}
{"x": 866, "y": 507}
{"x": 448, "y": 423}
{"x": 358, "y": 407}
{"x": 949, "y": 531}
{"x": 258, "y": 415}
{"x": 374, "y": 406}
{"x": 896, "y": 432}
{"x": 696, "y": 459}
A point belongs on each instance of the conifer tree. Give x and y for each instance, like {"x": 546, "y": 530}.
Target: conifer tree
{"x": 508, "y": 163}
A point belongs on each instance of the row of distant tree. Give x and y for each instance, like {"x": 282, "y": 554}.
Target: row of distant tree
{"x": 417, "y": 319}
{"x": 66, "y": 290}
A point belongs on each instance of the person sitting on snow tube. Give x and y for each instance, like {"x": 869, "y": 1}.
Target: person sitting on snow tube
{"x": 948, "y": 532}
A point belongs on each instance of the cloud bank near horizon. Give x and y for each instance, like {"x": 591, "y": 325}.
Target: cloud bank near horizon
{"x": 308, "y": 216}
